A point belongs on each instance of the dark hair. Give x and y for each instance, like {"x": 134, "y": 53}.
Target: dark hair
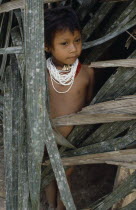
{"x": 57, "y": 19}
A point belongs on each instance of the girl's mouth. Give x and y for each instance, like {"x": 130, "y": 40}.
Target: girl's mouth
{"x": 74, "y": 57}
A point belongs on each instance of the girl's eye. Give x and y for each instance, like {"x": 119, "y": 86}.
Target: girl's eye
{"x": 78, "y": 40}
{"x": 64, "y": 43}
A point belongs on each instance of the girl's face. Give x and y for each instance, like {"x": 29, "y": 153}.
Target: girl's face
{"x": 66, "y": 48}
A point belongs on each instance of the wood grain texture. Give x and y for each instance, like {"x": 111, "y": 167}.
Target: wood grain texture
{"x": 111, "y": 111}
{"x": 39, "y": 130}
{"x": 15, "y": 4}
{"x": 114, "y": 63}
{"x": 125, "y": 158}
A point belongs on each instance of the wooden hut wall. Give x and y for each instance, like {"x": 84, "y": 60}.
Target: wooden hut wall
{"x": 108, "y": 34}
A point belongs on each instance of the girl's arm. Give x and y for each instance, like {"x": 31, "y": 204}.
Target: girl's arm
{"x": 90, "y": 89}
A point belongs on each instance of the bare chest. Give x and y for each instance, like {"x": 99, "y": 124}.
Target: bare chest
{"x": 67, "y": 103}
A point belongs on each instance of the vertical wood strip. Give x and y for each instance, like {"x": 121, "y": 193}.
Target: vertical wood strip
{"x": 7, "y": 125}
{"x": 14, "y": 147}
{"x": 39, "y": 129}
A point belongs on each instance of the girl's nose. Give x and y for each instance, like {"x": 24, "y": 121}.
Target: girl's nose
{"x": 72, "y": 48}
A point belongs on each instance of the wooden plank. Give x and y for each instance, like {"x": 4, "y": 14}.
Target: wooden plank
{"x": 34, "y": 97}
{"x": 17, "y": 41}
{"x": 124, "y": 104}
{"x": 111, "y": 111}
{"x": 7, "y": 122}
{"x": 125, "y": 158}
{"x": 114, "y": 63}
{"x": 112, "y": 144}
{"x": 11, "y": 50}
{"x": 114, "y": 87}
{"x": 6, "y": 7}
{"x": 7, "y": 37}
{"x": 19, "y": 136}
{"x": 108, "y": 131}
{"x": 2, "y": 172}
{"x": 86, "y": 118}
{"x": 39, "y": 130}
{"x": 14, "y": 146}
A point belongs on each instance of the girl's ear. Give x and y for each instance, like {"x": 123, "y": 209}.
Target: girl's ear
{"x": 46, "y": 48}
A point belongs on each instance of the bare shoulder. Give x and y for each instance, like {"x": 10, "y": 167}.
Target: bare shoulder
{"x": 88, "y": 71}
{"x": 89, "y": 77}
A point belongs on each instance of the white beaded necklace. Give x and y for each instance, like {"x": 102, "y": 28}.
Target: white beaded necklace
{"x": 64, "y": 77}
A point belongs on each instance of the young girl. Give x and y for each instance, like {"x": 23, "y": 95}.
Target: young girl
{"x": 70, "y": 83}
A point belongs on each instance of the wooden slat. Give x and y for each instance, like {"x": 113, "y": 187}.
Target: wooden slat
{"x": 83, "y": 119}
{"x": 111, "y": 111}
{"x": 6, "y": 7}
{"x": 108, "y": 145}
{"x": 114, "y": 63}
{"x": 4, "y": 58}
{"x": 16, "y": 41}
{"x": 124, "y": 104}
{"x": 108, "y": 131}
{"x": 14, "y": 146}
{"x": 119, "y": 84}
{"x": 125, "y": 158}
{"x": 8, "y": 107}
{"x": 39, "y": 129}
{"x": 11, "y": 50}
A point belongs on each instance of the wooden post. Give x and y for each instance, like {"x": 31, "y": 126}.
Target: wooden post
{"x": 39, "y": 131}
